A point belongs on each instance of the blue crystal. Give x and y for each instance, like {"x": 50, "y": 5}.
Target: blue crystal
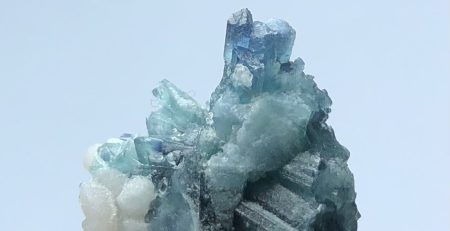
{"x": 178, "y": 113}
{"x": 260, "y": 156}
{"x": 119, "y": 154}
{"x": 146, "y": 147}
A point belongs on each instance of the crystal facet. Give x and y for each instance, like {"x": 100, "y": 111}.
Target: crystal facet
{"x": 260, "y": 156}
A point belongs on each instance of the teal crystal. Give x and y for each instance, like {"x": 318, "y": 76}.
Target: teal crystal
{"x": 260, "y": 156}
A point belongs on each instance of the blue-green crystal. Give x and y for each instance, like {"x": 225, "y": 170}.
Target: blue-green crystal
{"x": 260, "y": 156}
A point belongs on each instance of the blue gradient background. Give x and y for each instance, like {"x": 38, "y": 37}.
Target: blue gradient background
{"x": 74, "y": 73}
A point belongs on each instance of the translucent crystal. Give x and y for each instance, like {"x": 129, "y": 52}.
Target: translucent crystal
{"x": 260, "y": 156}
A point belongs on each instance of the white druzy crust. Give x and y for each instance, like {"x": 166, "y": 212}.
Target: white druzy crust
{"x": 113, "y": 202}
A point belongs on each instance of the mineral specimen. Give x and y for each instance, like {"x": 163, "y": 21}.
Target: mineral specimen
{"x": 260, "y": 156}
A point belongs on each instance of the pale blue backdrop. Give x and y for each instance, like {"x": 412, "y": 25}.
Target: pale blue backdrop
{"x": 74, "y": 73}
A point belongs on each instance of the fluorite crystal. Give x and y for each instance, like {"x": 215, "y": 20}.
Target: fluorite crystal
{"x": 260, "y": 156}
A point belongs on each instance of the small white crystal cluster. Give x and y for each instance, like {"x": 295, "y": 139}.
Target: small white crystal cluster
{"x": 113, "y": 202}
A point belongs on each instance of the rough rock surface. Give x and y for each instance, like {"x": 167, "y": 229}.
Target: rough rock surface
{"x": 260, "y": 156}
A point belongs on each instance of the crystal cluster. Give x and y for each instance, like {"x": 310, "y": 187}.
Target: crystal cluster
{"x": 260, "y": 156}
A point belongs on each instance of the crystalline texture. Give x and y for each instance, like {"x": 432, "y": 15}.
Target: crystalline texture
{"x": 260, "y": 156}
